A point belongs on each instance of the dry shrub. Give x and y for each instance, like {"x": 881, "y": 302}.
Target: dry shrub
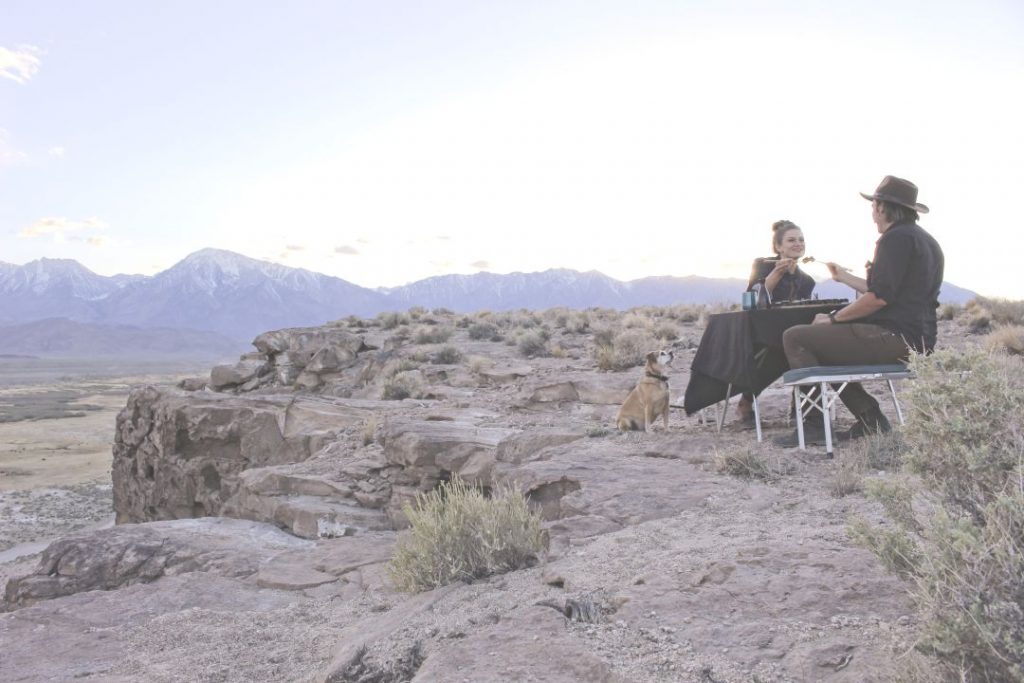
{"x": 390, "y": 321}
{"x": 1008, "y": 339}
{"x": 534, "y": 343}
{"x": 848, "y": 478}
{"x": 417, "y": 312}
{"x": 446, "y": 355}
{"x": 627, "y": 350}
{"x": 458, "y": 534}
{"x": 635, "y": 321}
{"x": 666, "y": 332}
{"x": 478, "y": 364}
{"x": 406, "y": 384}
{"x": 370, "y": 430}
{"x": 432, "y": 335}
{"x": 747, "y": 463}
{"x": 484, "y": 330}
{"x": 685, "y": 313}
{"x": 577, "y": 323}
{"x": 965, "y": 438}
{"x": 949, "y": 311}
{"x": 1002, "y": 311}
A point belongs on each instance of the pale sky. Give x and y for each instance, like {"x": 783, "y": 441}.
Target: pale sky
{"x": 384, "y": 142}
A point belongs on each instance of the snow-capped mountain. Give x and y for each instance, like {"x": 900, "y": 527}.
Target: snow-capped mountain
{"x": 240, "y": 297}
{"x": 237, "y": 296}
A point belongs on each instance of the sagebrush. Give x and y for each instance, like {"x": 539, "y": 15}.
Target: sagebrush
{"x": 964, "y": 438}
{"x": 457, "y": 533}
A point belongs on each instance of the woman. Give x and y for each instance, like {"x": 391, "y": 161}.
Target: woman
{"x": 781, "y": 280}
{"x": 780, "y": 275}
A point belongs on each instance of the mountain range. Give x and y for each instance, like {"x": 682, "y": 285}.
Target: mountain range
{"x": 237, "y": 297}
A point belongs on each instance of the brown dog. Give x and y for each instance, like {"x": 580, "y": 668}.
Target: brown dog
{"x": 649, "y": 398}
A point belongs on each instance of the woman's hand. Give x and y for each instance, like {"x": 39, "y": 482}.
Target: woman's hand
{"x": 785, "y": 264}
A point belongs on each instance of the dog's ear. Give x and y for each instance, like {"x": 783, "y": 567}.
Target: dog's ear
{"x": 652, "y": 357}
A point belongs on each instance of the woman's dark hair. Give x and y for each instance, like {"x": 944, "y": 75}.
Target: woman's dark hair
{"x": 897, "y": 213}
{"x": 779, "y": 230}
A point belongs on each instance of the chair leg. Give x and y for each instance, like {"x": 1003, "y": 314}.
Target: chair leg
{"x": 826, "y": 417}
{"x": 757, "y": 419}
{"x": 798, "y": 401}
{"x": 895, "y": 403}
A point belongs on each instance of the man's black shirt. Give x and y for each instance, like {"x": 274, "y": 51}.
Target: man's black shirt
{"x": 907, "y": 274}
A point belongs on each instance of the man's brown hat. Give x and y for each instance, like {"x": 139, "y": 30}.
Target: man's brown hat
{"x": 897, "y": 191}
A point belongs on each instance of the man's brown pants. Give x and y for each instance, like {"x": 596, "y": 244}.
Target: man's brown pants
{"x": 845, "y": 344}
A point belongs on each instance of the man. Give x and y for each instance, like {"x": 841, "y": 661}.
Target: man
{"x": 895, "y": 312}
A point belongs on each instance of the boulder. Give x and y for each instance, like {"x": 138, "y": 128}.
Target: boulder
{"x": 178, "y": 455}
{"x": 140, "y": 553}
{"x": 225, "y": 376}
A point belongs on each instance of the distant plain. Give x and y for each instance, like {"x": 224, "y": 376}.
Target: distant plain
{"x": 57, "y": 420}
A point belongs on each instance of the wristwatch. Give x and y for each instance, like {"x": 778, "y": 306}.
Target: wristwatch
{"x": 832, "y": 317}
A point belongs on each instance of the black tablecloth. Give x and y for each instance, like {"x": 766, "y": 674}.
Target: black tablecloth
{"x": 744, "y": 349}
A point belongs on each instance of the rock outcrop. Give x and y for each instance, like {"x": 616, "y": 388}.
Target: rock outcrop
{"x": 257, "y": 511}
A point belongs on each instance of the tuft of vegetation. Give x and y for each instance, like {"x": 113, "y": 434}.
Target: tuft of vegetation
{"x": 534, "y": 343}
{"x": 389, "y": 321}
{"x": 458, "y": 534}
{"x": 1007, "y": 339}
{"x": 403, "y": 384}
{"x": 484, "y": 330}
{"x": 447, "y": 355}
{"x": 965, "y": 439}
{"x": 748, "y": 464}
{"x": 432, "y": 335}
{"x": 627, "y": 350}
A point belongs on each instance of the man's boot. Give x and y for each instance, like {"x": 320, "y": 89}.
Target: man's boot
{"x": 745, "y": 410}
{"x": 870, "y": 422}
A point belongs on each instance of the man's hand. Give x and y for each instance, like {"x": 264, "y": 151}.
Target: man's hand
{"x": 822, "y": 318}
{"x": 836, "y": 270}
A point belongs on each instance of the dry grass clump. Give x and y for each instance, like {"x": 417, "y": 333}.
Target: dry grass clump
{"x": 965, "y": 438}
{"x": 1008, "y": 339}
{"x": 484, "y": 331}
{"x": 446, "y": 355}
{"x": 949, "y": 311}
{"x": 747, "y": 463}
{"x": 685, "y": 313}
{"x": 577, "y": 323}
{"x": 404, "y": 384}
{"x": 478, "y": 364}
{"x": 534, "y": 343}
{"x": 1002, "y": 311}
{"x": 390, "y": 321}
{"x": 635, "y": 321}
{"x": 432, "y": 334}
{"x": 625, "y": 350}
{"x": 458, "y": 534}
{"x": 370, "y": 430}
{"x": 666, "y": 332}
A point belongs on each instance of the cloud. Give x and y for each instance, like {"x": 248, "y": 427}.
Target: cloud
{"x": 96, "y": 241}
{"x": 482, "y": 265}
{"x": 351, "y": 251}
{"x": 56, "y": 152}
{"x": 19, "y": 64}
{"x": 294, "y": 247}
{"x": 443, "y": 238}
{"x": 59, "y": 226}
